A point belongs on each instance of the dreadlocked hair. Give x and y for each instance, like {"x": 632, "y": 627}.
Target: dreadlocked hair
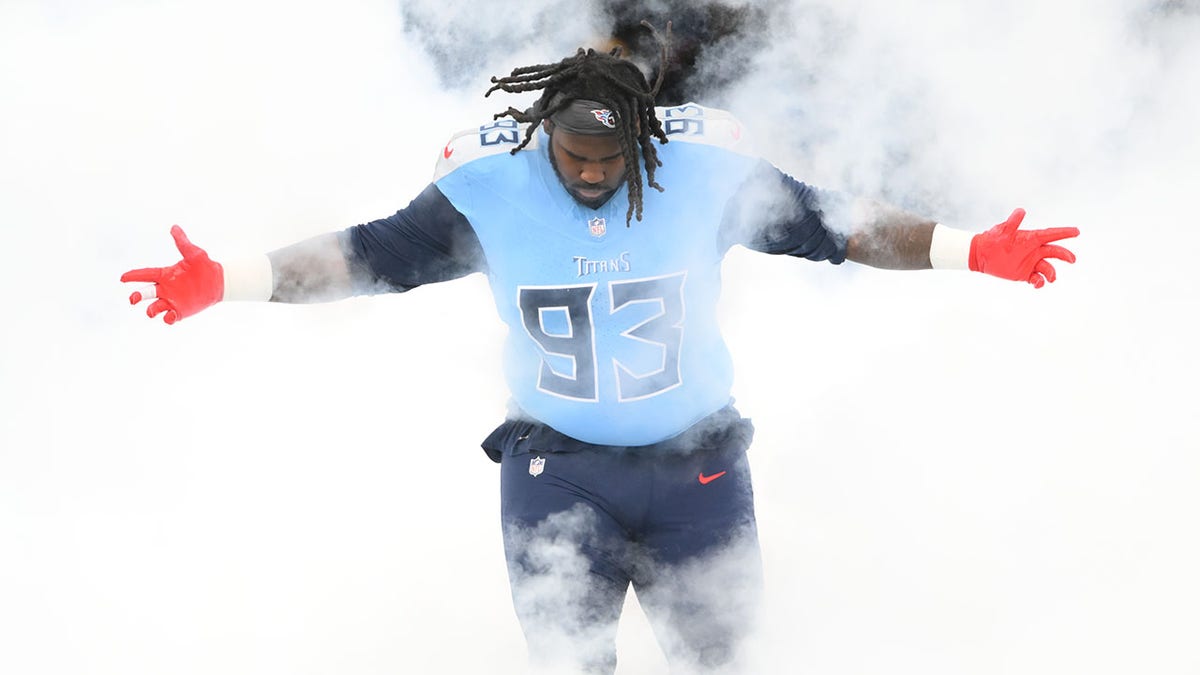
{"x": 610, "y": 80}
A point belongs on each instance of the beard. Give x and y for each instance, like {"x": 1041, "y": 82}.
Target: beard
{"x": 574, "y": 188}
{"x": 591, "y": 203}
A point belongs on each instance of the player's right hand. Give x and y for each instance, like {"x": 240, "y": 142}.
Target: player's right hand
{"x": 182, "y": 289}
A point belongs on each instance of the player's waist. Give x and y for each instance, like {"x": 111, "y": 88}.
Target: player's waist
{"x": 722, "y": 431}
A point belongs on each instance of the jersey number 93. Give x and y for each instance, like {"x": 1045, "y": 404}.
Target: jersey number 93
{"x": 640, "y": 337}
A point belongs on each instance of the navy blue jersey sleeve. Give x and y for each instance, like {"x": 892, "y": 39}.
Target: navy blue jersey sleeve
{"x": 426, "y": 242}
{"x": 777, "y": 214}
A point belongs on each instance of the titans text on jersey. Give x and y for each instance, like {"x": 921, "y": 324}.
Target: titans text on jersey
{"x": 619, "y": 264}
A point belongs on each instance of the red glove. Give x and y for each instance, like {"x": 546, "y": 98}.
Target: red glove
{"x": 182, "y": 289}
{"x": 1019, "y": 255}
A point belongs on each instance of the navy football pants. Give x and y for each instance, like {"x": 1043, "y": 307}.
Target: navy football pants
{"x": 583, "y": 523}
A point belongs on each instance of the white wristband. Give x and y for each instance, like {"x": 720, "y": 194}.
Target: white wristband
{"x": 249, "y": 279}
{"x": 950, "y": 249}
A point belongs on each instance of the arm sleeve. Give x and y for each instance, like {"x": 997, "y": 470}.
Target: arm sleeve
{"x": 426, "y": 242}
{"x": 777, "y": 214}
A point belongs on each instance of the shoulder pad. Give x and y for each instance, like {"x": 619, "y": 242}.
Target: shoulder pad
{"x": 486, "y": 140}
{"x": 694, "y": 123}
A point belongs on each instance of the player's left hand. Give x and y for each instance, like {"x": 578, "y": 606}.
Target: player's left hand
{"x": 1020, "y": 255}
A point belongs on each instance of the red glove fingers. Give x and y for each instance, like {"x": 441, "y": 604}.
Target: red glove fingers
{"x": 1043, "y": 268}
{"x": 1059, "y": 252}
{"x": 152, "y": 274}
{"x": 147, "y": 292}
{"x": 186, "y": 248}
{"x": 1043, "y": 273}
{"x": 158, "y": 307}
{"x": 1008, "y": 252}
{"x": 183, "y": 289}
{"x": 1054, "y": 233}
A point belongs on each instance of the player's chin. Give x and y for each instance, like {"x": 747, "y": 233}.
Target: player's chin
{"x": 593, "y": 199}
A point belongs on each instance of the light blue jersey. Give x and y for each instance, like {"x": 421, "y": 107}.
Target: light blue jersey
{"x": 613, "y": 336}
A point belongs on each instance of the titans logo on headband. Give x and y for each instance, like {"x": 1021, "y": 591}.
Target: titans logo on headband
{"x": 605, "y": 117}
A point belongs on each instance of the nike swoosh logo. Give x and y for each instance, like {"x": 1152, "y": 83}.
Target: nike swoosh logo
{"x": 705, "y": 480}
{"x": 447, "y": 151}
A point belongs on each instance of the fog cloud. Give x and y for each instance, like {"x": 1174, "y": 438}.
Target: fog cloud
{"x": 971, "y": 476}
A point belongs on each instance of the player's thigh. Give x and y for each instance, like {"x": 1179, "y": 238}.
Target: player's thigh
{"x": 550, "y": 502}
{"x": 701, "y": 585}
{"x": 701, "y": 504}
{"x": 566, "y": 558}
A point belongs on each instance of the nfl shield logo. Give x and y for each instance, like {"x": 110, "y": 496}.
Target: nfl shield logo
{"x": 536, "y": 465}
{"x": 597, "y": 227}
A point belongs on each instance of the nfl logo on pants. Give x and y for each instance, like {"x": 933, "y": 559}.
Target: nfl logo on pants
{"x": 536, "y": 465}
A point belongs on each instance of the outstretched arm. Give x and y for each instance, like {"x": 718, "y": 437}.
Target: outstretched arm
{"x": 314, "y": 270}
{"x": 889, "y": 238}
{"x": 774, "y": 213}
{"x": 426, "y": 242}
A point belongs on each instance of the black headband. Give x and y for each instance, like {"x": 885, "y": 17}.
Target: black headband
{"x": 582, "y": 116}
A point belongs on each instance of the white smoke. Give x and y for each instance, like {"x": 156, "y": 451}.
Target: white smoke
{"x": 566, "y": 629}
{"x": 954, "y": 474}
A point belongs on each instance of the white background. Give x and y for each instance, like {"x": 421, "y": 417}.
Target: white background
{"x": 954, "y": 474}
